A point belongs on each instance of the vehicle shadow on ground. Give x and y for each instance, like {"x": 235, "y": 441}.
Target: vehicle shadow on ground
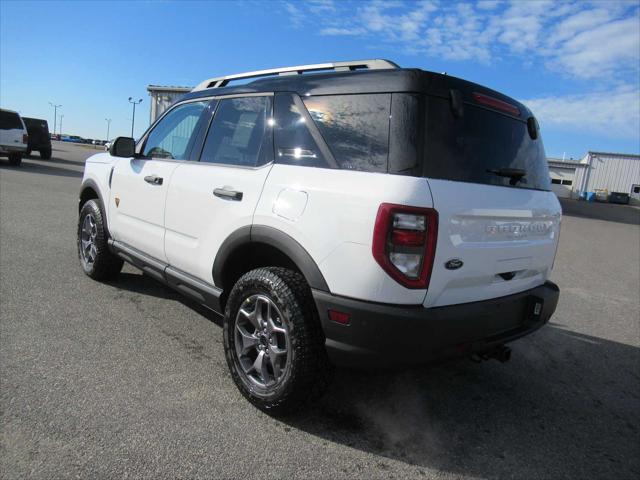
{"x": 54, "y": 159}
{"x": 565, "y": 400}
{"x": 29, "y": 167}
{"x": 140, "y": 283}
{"x": 491, "y": 420}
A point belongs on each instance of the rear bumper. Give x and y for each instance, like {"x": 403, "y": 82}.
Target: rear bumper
{"x": 381, "y": 335}
{"x": 21, "y": 148}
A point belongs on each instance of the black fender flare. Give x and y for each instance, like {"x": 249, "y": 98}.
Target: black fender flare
{"x": 275, "y": 238}
{"x": 89, "y": 183}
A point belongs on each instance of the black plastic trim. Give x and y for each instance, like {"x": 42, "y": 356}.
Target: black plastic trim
{"x": 273, "y": 237}
{"x": 389, "y": 336}
{"x": 89, "y": 183}
{"x": 193, "y": 287}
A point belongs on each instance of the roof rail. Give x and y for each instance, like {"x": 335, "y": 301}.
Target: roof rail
{"x": 375, "y": 64}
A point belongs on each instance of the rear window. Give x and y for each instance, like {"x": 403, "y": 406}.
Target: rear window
{"x": 465, "y": 148}
{"x": 355, "y": 127}
{"x": 10, "y": 121}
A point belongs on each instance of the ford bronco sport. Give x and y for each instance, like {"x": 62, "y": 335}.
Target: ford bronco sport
{"x": 350, "y": 213}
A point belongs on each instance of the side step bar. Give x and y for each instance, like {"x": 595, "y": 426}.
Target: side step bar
{"x": 194, "y": 288}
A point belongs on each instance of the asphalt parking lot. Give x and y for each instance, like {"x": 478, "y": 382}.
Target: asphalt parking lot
{"x": 128, "y": 379}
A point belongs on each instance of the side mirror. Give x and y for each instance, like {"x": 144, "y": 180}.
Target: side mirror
{"x": 123, "y": 147}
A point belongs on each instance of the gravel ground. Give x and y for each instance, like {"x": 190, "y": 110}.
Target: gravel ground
{"x": 128, "y": 379}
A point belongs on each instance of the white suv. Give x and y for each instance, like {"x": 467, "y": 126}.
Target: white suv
{"x": 13, "y": 136}
{"x": 350, "y": 213}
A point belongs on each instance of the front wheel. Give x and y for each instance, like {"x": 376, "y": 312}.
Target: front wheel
{"x": 96, "y": 259}
{"x": 273, "y": 341}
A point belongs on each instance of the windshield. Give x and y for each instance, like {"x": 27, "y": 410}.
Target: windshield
{"x": 468, "y": 147}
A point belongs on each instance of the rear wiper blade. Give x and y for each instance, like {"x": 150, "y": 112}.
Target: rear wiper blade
{"x": 514, "y": 174}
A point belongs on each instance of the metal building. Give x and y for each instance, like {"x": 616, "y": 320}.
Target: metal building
{"x": 611, "y": 172}
{"x": 163, "y": 97}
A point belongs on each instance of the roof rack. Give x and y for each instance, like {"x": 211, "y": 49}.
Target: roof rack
{"x": 375, "y": 64}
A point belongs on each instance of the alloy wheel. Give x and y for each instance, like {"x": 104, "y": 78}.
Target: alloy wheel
{"x": 262, "y": 343}
{"x": 88, "y": 235}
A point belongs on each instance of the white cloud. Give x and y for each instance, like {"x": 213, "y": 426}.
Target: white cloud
{"x": 607, "y": 49}
{"x": 588, "y": 40}
{"x": 296, "y": 16}
{"x": 341, "y": 31}
{"x": 488, "y": 4}
{"x": 613, "y": 114}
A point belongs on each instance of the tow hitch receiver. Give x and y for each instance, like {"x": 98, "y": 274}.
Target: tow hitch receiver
{"x": 502, "y": 353}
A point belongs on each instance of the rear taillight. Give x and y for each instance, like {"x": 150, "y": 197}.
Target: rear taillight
{"x": 404, "y": 243}
{"x": 25, "y": 138}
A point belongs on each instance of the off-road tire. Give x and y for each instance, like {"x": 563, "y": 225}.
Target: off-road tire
{"x": 106, "y": 265}
{"x": 309, "y": 372}
{"x": 45, "y": 153}
{"x": 15, "y": 159}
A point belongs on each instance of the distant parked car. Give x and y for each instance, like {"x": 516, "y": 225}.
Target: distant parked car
{"x": 71, "y": 138}
{"x": 38, "y": 130}
{"x": 107, "y": 144}
{"x": 13, "y": 136}
{"x": 55, "y": 136}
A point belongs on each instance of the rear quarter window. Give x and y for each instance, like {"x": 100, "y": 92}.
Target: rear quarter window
{"x": 10, "y": 121}
{"x": 355, "y": 127}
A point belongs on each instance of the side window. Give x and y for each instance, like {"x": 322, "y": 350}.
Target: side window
{"x": 356, "y": 128}
{"x": 170, "y": 138}
{"x": 240, "y": 133}
{"x": 294, "y": 143}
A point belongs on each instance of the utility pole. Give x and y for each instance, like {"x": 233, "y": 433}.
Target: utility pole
{"x": 108, "y": 120}
{"x": 55, "y": 115}
{"x": 60, "y": 132}
{"x": 133, "y": 119}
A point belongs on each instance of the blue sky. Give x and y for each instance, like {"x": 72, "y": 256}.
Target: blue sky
{"x": 576, "y": 64}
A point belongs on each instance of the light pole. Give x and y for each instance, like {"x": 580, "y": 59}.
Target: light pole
{"x": 108, "y": 120}
{"x": 133, "y": 119}
{"x": 55, "y": 115}
{"x": 60, "y": 131}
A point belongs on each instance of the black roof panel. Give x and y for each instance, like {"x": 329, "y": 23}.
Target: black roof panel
{"x": 408, "y": 80}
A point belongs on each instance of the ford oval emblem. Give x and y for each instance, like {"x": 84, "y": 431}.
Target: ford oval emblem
{"x": 453, "y": 264}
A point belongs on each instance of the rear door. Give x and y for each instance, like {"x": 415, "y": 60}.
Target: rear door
{"x": 139, "y": 185}
{"x": 210, "y": 199}
{"x": 498, "y": 220}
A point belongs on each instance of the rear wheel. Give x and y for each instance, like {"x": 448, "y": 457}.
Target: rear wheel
{"x": 15, "y": 159}
{"x": 273, "y": 341}
{"x": 96, "y": 259}
{"x": 45, "y": 153}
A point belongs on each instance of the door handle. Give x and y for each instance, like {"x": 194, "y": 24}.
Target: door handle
{"x": 228, "y": 194}
{"x": 153, "y": 179}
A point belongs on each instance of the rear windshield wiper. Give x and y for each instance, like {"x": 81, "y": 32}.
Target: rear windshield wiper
{"x": 514, "y": 174}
